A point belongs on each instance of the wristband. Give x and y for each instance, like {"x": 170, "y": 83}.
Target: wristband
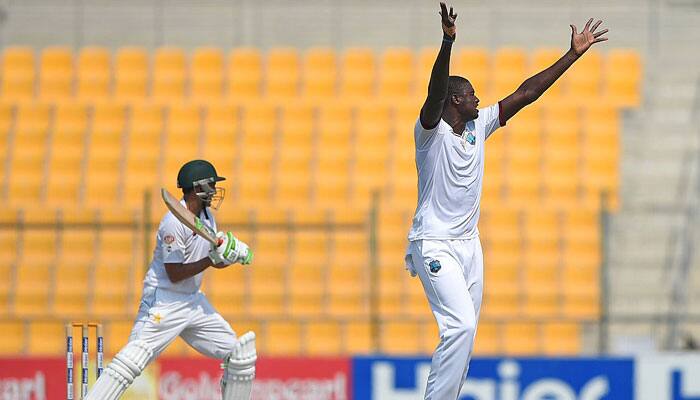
{"x": 447, "y": 39}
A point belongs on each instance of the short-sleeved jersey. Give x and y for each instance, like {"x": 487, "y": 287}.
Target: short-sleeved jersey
{"x": 450, "y": 172}
{"x": 176, "y": 243}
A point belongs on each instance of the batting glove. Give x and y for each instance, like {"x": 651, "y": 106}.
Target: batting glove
{"x": 230, "y": 250}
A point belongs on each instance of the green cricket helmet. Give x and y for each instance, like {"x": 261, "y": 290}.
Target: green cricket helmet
{"x": 201, "y": 176}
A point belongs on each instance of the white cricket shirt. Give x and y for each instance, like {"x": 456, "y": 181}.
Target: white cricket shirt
{"x": 450, "y": 172}
{"x": 176, "y": 243}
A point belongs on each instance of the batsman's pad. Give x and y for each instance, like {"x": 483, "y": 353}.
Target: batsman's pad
{"x": 121, "y": 372}
{"x": 239, "y": 369}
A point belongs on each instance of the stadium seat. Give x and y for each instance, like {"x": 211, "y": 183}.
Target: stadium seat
{"x": 287, "y": 338}
{"x": 320, "y": 73}
{"x": 116, "y": 336}
{"x": 227, "y": 290}
{"x": 18, "y": 73}
{"x": 400, "y": 338}
{"x": 131, "y": 73}
{"x": 207, "y": 74}
{"x": 357, "y": 337}
{"x": 56, "y": 73}
{"x": 623, "y": 74}
{"x": 221, "y": 128}
{"x": 282, "y": 73}
{"x": 34, "y": 280}
{"x": 183, "y": 131}
{"x": 308, "y": 287}
{"x": 70, "y": 297}
{"x": 487, "y": 339}
{"x": 357, "y": 73}
{"x": 94, "y": 73}
{"x": 584, "y": 79}
{"x": 169, "y": 74}
{"x": 14, "y": 338}
{"x": 332, "y": 154}
{"x": 561, "y": 338}
{"x": 473, "y": 63}
{"x": 509, "y": 71}
{"x": 26, "y": 174}
{"x": 67, "y": 151}
{"x": 323, "y": 339}
{"x": 48, "y": 339}
{"x": 521, "y": 338}
{"x": 244, "y": 73}
{"x": 395, "y": 73}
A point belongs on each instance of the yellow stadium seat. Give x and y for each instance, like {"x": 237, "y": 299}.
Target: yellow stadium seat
{"x": 623, "y": 74}
{"x": 244, "y": 73}
{"x": 358, "y": 338}
{"x": 307, "y": 284}
{"x": 112, "y": 289}
{"x": 395, "y": 72}
{"x": 348, "y": 290}
{"x": 34, "y": 279}
{"x": 267, "y": 290}
{"x": 49, "y": 338}
{"x": 293, "y": 168}
{"x": 561, "y": 339}
{"x": 357, "y": 73}
{"x": 118, "y": 246}
{"x": 503, "y": 304}
{"x": 131, "y": 73}
{"x": 18, "y": 73}
{"x": 67, "y": 152}
{"x": 116, "y": 336}
{"x": 221, "y": 127}
{"x": 183, "y": 126}
{"x": 474, "y": 64}
{"x": 521, "y": 338}
{"x": 331, "y": 175}
{"x": 424, "y": 67}
{"x": 70, "y": 297}
{"x": 323, "y": 339}
{"x": 207, "y": 73}
{"x": 400, "y": 338}
{"x": 143, "y": 154}
{"x": 56, "y": 73}
{"x": 487, "y": 339}
{"x": 14, "y": 338}
{"x": 320, "y": 73}
{"x": 287, "y": 340}
{"x": 78, "y": 246}
{"x": 509, "y": 71}
{"x": 227, "y": 290}
{"x": 372, "y": 125}
{"x": 282, "y": 73}
{"x": 584, "y": 79}
{"x": 6, "y": 286}
{"x": 29, "y": 153}
{"x": 94, "y": 73}
{"x": 168, "y": 73}
{"x": 9, "y": 246}
{"x": 6, "y": 120}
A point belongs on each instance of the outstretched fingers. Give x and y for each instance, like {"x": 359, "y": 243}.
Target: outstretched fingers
{"x": 574, "y": 31}
{"x": 596, "y": 25}
{"x": 588, "y": 24}
{"x": 598, "y": 34}
{"x": 600, "y": 39}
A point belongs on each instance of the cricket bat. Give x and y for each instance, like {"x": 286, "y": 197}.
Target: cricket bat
{"x": 186, "y": 217}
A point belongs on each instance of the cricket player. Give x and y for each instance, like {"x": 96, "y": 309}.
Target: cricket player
{"x": 444, "y": 248}
{"x": 172, "y": 304}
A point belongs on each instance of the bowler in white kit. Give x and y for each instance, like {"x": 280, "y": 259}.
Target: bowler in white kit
{"x": 444, "y": 250}
{"x": 172, "y": 304}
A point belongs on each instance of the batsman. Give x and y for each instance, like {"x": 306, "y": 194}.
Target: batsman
{"x": 172, "y": 304}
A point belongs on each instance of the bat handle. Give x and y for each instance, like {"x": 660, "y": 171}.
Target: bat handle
{"x": 219, "y": 242}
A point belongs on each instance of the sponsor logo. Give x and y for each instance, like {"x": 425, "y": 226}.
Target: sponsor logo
{"x": 668, "y": 377}
{"x": 33, "y": 387}
{"x": 471, "y": 139}
{"x": 434, "y": 266}
{"x": 156, "y": 318}
{"x": 168, "y": 239}
{"x": 500, "y": 379}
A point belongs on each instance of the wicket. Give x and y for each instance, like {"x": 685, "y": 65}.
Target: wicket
{"x": 85, "y": 357}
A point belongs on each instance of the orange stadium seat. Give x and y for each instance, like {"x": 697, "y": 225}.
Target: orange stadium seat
{"x": 67, "y": 150}
{"x": 259, "y": 128}
{"x": 18, "y": 73}
{"x": 282, "y": 73}
{"x": 357, "y": 338}
{"x": 26, "y": 174}
{"x": 320, "y": 73}
{"x": 357, "y": 73}
{"x": 183, "y": 131}
{"x": 104, "y": 163}
{"x": 14, "y": 338}
{"x": 623, "y": 75}
{"x": 323, "y": 339}
{"x": 293, "y": 164}
{"x": 169, "y": 66}
{"x": 396, "y": 72}
{"x": 474, "y": 64}
{"x": 287, "y": 338}
{"x": 70, "y": 297}
{"x": 131, "y": 73}
{"x": 509, "y": 71}
{"x": 244, "y": 73}
{"x": 332, "y": 154}
{"x": 46, "y": 338}
{"x": 400, "y": 338}
{"x": 221, "y": 128}
{"x": 94, "y": 73}
{"x": 584, "y": 79}
{"x": 56, "y": 73}
{"x": 207, "y": 74}
{"x": 143, "y": 153}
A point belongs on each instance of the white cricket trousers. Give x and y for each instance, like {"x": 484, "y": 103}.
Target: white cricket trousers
{"x": 452, "y": 274}
{"x": 164, "y": 315}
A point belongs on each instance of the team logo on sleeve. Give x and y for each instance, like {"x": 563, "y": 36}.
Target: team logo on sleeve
{"x": 434, "y": 266}
{"x": 168, "y": 239}
{"x": 471, "y": 139}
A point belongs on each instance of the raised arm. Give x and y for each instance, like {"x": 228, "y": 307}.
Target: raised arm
{"x": 431, "y": 112}
{"x": 533, "y": 87}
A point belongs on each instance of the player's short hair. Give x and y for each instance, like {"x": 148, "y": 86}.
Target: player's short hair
{"x": 457, "y": 85}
